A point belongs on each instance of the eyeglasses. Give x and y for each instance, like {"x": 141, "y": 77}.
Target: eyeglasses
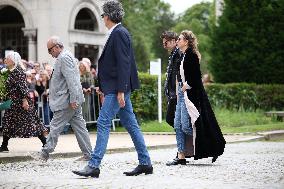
{"x": 49, "y": 49}
{"x": 165, "y": 43}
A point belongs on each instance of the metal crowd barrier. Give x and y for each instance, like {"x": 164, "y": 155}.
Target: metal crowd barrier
{"x": 90, "y": 110}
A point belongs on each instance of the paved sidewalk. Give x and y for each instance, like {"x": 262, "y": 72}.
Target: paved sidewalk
{"x": 118, "y": 142}
{"x": 244, "y": 165}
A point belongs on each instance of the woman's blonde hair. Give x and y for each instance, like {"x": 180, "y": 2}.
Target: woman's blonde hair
{"x": 192, "y": 41}
{"x": 86, "y": 65}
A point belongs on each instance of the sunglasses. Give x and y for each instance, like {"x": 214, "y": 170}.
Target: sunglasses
{"x": 165, "y": 42}
{"x": 179, "y": 39}
{"x": 103, "y": 15}
{"x": 183, "y": 38}
{"x": 50, "y": 49}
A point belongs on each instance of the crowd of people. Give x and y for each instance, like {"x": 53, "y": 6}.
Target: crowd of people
{"x": 38, "y": 76}
{"x": 189, "y": 111}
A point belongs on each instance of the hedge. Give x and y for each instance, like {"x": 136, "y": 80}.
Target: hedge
{"x": 247, "y": 96}
{"x": 234, "y": 96}
{"x": 145, "y": 100}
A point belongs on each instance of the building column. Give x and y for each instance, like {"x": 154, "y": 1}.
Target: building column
{"x": 31, "y": 34}
{"x": 101, "y": 48}
{"x": 72, "y": 48}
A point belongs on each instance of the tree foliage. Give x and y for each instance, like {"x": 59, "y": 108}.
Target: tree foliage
{"x": 146, "y": 19}
{"x": 248, "y": 41}
{"x": 197, "y": 19}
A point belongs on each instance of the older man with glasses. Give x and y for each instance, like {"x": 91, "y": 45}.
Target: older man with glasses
{"x": 65, "y": 99}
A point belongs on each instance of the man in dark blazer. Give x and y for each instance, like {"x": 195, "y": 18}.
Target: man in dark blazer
{"x": 117, "y": 76}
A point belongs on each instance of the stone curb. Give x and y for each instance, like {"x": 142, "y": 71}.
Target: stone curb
{"x": 258, "y": 137}
{"x": 272, "y": 134}
{"x": 76, "y": 154}
{"x": 173, "y": 133}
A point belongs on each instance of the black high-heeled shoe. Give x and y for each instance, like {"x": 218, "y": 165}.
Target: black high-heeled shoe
{"x": 176, "y": 161}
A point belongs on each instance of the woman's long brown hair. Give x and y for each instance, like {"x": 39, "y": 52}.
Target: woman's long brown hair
{"x": 192, "y": 41}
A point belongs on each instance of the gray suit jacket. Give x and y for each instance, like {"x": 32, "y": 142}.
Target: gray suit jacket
{"x": 65, "y": 86}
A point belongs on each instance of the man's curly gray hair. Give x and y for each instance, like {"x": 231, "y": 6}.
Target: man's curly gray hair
{"x": 114, "y": 10}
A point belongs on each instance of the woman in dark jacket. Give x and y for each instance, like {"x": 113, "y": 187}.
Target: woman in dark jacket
{"x": 200, "y": 135}
{"x": 21, "y": 120}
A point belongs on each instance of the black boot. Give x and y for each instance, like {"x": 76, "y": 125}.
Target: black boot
{"x": 42, "y": 139}
{"x": 4, "y": 146}
{"x": 147, "y": 169}
{"x": 88, "y": 172}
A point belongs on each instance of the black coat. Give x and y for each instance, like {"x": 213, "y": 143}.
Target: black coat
{"x": 209, "y": 141}
{"x": 170, "y": 85}
{"x": 172, "y": 71}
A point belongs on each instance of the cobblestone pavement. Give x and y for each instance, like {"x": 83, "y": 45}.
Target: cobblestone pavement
{"x": 243, "y": 165}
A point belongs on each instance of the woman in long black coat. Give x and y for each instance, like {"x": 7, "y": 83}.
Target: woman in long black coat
{"x": 206, "y": 139}
{"x": 21, "y": 120}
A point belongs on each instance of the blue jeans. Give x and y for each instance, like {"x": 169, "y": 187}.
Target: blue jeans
{"x": 182, "y": 123}
{"x": 109, "y": 109}
{"x": 47, "y": 113}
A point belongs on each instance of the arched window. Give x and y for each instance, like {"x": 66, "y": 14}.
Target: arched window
{"x": 11, "y": 34}
{"x": 86, "y": 20}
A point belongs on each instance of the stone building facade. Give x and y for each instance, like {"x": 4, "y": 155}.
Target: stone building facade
{"x": 25, "y": 26}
